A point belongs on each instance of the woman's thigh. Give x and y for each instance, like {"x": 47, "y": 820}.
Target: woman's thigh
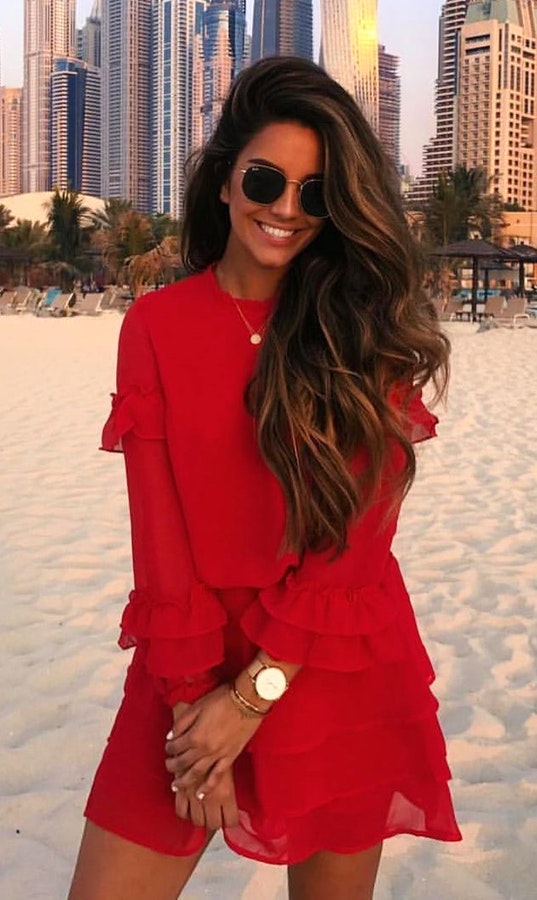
{"x": 109, "y": 866}
{"x": 335, "y": 876}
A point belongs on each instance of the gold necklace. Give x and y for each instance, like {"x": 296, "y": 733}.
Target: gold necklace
{"x": 255, "y": 336}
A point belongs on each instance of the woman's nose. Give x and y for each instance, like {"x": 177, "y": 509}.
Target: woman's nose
{"x": 288, "y": 203}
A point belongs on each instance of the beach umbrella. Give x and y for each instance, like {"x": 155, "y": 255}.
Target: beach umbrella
{"x": 475, "y": 250}
{"x": 522, "y": 253}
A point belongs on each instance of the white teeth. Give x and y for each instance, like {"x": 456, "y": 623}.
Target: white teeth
{"x": 276, "y": 232}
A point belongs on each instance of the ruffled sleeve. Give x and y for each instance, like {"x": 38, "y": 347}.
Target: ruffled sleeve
{"x": 175, "y": 620}
{"x": 420, "y": 422}
{"x": 340, "y": 629}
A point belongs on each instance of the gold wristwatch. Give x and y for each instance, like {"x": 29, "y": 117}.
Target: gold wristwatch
{"x": 270, "y": 682}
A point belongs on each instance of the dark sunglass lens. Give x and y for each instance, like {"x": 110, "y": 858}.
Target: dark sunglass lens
{"x": 262, "y": 184}
{"x": 312, "y": 198}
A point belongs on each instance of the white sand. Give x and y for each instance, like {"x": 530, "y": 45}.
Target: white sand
{"x": 468, "y": 542}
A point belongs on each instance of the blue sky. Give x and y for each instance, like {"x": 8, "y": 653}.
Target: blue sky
{"x": 409, "y": 30}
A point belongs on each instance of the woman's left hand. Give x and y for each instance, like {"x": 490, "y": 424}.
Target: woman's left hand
{"x": 207, "y": 738}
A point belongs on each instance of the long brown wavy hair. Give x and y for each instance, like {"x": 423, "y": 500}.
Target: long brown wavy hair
{"x": 352, "y": 322}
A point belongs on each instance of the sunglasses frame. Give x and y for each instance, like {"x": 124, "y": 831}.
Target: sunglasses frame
{"x": 285, "y": 182}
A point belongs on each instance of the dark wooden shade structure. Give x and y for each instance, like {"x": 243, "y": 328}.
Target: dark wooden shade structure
{"x": 478, "y": 250}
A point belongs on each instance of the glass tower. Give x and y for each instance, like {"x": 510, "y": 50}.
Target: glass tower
{"x": 349, "y": 50}
{"x": 49, "y": 34}
{"x": 223, "y": 55}
{"x": 282, "y": 28}
{"x": 126, "y": 101}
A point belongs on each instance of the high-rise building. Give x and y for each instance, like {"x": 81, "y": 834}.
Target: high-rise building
{"x": 438, "y": 154}
{"x": 197, "y": 75}
{"x": 75, "y": 126}
{"x": 89, "y": 37}
{"x": 349, "y": 50}
{"x": 173, "y": 42}
{"x": 49, "y": 34}
{"x": 223, "y": 54}
{"x": 496, "y": 122}
{"x": 282, "y": 28}
{"x": 390, "y": 105}
{"x": 10, "y": 141}
{"x": 126, "y": 99}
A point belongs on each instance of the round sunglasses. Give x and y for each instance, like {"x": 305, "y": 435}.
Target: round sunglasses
{"x": 264, "y": 184}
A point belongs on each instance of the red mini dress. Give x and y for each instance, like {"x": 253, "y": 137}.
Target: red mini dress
{"x": 353, "y": 753}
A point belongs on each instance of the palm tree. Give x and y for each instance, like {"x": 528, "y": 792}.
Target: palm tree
{"x": 157, "y": 266}
{"x": 120, "y": 233}
{"x": 5, "y": 218}
{"x": 23, "y": 245}
{"x": 68, "y": 222}
{"x": 461, "y": 204}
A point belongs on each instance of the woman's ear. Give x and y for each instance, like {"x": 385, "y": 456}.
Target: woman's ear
{"x": 224, "y": 191}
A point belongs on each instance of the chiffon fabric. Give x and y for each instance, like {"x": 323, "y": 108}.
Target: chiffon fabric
{"x": 353, "y": 752}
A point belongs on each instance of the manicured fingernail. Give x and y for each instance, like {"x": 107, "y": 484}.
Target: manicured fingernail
{"x": 200, "y": 795}
{"x": 169, "y": 736}
{"x": 175, "y": 788}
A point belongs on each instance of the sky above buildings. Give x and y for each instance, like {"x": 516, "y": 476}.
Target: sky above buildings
{"x": 408, "y": 30}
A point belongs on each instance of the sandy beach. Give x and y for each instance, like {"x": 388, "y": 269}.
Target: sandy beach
{"x": 467, "y": 544}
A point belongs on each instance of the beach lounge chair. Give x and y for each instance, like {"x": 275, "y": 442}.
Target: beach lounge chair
{"x": 47, "y": 298}
{"x": 453, "y": 310}
{"x": 21, "y": 298}
{"x": 89, "y": 305}
{"x": 62, "y": 304}
{"x": 494, "y": 307}
{"x": 515, "y": 313}
{"x": 6, "y": 302}
{"x": 26, "y": 299}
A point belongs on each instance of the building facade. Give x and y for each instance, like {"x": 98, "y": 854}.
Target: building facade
{"x": 49, "y": 34}
{"x": 282, "y": 28}
{"x": 89, "y": 37}
{"x": 126, "y": 100}
{"x": 197, "y": 75}
{"x": 10, "y": 141}
{"x": 390, "y": 105}
{"x": 75, "y": 149}
{"x": 349, "y": 50}
{"x": 173, "y": 43}
{"x": 223, "y": 55}
{"x": 439, "y": 153}
{"x": 496, "y": 123}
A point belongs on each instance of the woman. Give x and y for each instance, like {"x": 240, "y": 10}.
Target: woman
{"x": 266, "y": 408}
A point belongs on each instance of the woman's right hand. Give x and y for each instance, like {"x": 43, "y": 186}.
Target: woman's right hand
{"x": 219, "y": 808}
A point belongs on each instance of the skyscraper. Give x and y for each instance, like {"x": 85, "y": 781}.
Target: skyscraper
{"x": 75, "y": 126}
{"x": 390, "y": 105}
{"x": 89, "y": 50}
{"x": 89, "y": 37}
{"x": 496, "y": 102}
{"x": 349, "y": 50}
{"x": 197, "y": 75}
{"x": 10, "y": 141}
{"x": 223, "y": 55}
{"x": 438, "y": 154}
{"x": 126, "y": 100}
{"x": 49, "y": 33}
{"x": 173, "y": 43}
{"x": 282, "y": 28}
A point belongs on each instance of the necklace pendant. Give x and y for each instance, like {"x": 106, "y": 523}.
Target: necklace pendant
{"x": 255, "y": 338}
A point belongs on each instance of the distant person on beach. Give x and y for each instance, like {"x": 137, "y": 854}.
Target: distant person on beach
{"x": 267, "y": 407}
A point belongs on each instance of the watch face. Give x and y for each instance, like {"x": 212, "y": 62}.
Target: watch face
{"x": 271, "y": 683}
